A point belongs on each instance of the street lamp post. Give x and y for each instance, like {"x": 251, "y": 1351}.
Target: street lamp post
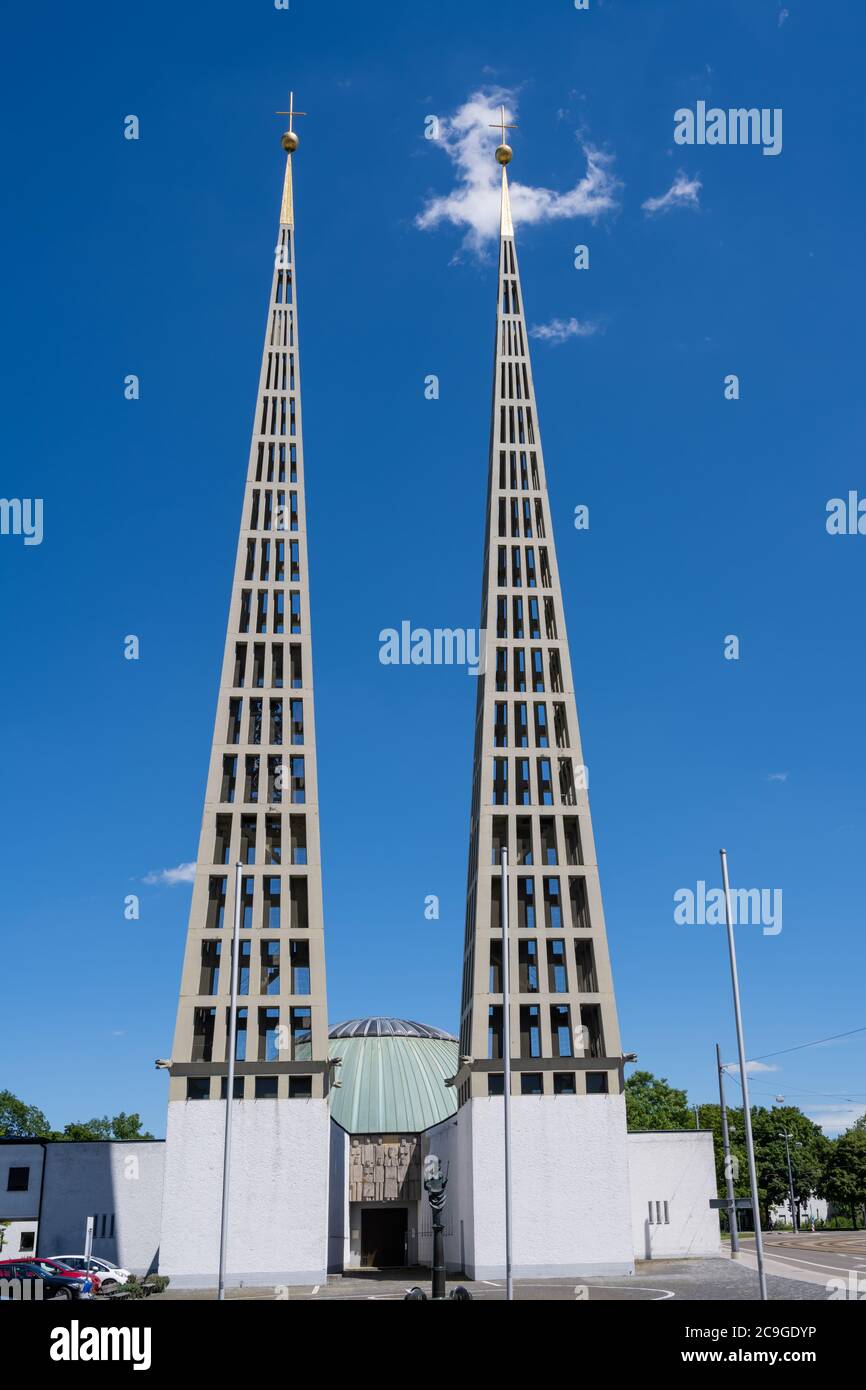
{"x": 435, "y": 1182}
{"x": 786, "y": 1136}
{"x": 744, "y": 1081}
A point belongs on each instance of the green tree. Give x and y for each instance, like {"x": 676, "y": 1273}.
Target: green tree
{"x": 809, "y": 1147}
{"x": 128, "y": 1127}
{"x": 845, "y": 1170}
{"x": 808, "y": 1154}
{"x": 123, "y": 1126}
{"x": 86, "y": 1129}
{"x": 21, "y": 1121}
{"x": 710, "y": 1117}
{"x": 650, "y": 1103}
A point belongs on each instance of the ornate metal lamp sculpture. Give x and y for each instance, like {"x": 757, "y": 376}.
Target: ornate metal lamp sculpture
{"x": 435, "y": 1183}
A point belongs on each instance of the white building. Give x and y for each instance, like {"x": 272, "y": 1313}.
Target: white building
{"x": 391, "y": 1108}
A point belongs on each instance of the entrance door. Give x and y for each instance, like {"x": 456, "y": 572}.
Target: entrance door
{"x": 383, "y": 1237}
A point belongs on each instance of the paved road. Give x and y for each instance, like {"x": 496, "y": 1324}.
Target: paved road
{"x": 814, "y": 1258}
{"x": 659, "y": 1280}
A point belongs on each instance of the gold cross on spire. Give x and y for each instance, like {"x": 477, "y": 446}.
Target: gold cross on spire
{"x": 290, "y": 139}
{"x": 291, "y": 113}
{"x": 501, "y": 124}
{"x": 503, "y": 151}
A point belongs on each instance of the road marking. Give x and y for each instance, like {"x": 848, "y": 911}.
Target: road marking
{"x": 641, "y": 1288}
{"x": 810, "y": 1264}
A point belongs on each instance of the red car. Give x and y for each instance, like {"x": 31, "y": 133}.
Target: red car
{"x": 53, "y": 1267}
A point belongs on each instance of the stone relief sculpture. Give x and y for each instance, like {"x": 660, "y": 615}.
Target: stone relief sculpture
{"x": 391, "y": 1182}
{"x": 384, "y": 1168}
{"x": 356, "y": 1166}
{"x": 368, "y": 1191}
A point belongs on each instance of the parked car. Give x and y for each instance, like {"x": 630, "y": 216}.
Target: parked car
{"x": 107, "y": 1273}
{"x": 55, "y": 1283}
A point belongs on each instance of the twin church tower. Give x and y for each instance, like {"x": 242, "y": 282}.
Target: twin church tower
{"x": 570, "y": 1177}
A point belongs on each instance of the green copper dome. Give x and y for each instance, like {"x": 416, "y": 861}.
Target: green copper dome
{"x": 392, "y": 1076}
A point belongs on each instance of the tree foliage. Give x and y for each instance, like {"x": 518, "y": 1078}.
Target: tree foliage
{"x": 21, "y": 1121}
{"x": 845, "y": 1169}
{"x": 820, "y": 1167}
{"x": 650, "y": 1103}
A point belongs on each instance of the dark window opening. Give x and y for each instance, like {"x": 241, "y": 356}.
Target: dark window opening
{"x": 18, "y": 1180}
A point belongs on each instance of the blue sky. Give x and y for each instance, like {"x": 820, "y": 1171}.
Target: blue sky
{"x": 707, "y": 515}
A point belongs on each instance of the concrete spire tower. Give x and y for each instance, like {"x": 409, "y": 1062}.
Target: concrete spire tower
{"x": 261, "y": 811}
{"x": 529, "y": 796}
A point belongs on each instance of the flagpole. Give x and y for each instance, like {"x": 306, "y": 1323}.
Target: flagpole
{"x": 744, "y": 1081}
{"x": 726, "y": 1145}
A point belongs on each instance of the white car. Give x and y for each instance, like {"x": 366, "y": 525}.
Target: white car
{"x": 108, "y": 1273}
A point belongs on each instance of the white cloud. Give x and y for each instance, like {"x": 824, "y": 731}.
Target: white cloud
{"x": 683, "y": 193}
{"x": 835, "y": 1118}
{"x": 184, "y": 873}
{"x": 783, "y": 15}
{"x": 473, "y": 203}
{"x": 559, "y": 330}
{"x": 777, "y": 777}
{"x": 751, "y": 1067}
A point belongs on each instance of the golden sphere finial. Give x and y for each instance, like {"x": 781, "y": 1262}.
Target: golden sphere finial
{"x": 503, "y": 154}
{"x": 290, "y": 142}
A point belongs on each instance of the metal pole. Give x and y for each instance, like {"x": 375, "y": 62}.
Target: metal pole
{"x": 230, "y": 1082}
{"x": 786, "y": 1137}
{"x": 437, "y": 1203}
{"x": 88, "y": 1242}
{"x": 438, "y": 1257}
{"x": 744, "y": 1081}
{"x": 506, "y": 1079}
{"x": 726, "y": 1145}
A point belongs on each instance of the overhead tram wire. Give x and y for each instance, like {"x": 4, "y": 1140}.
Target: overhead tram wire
{"x": 800, "y": 1091}
{"x": 834, "y": 1037}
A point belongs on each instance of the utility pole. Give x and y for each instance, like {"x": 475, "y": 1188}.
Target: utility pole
{"x": 744, "y": 1081}
{"x": 726, "y": 1145}
{"x": 786, "y": 1136}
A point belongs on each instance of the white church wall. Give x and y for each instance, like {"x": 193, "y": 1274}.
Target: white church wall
{"x": 570, "y": 1183}
{"x": 278, "y": 1229}
{"x": 673, "y": 1178}
{"x": 119, "y": 1183}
